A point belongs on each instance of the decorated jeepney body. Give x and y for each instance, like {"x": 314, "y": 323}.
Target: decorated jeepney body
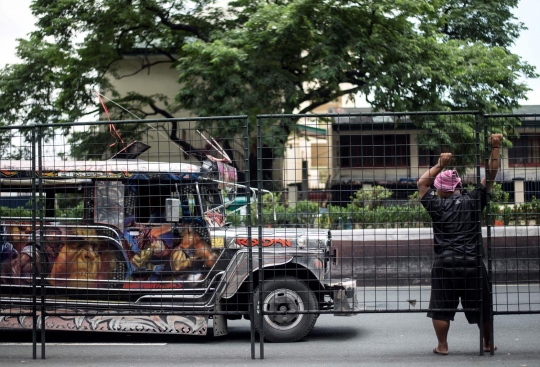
{"x": 129, "y": 245}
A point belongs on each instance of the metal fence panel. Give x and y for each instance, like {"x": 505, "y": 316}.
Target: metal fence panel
{"x": 513, "y": 239}
{"x": 104, "y": 234}
{"x": 355, "y": 176}
{"x": 154, "y": 226}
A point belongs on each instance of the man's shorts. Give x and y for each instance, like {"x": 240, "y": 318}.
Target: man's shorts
{"x": 454, "y": 279}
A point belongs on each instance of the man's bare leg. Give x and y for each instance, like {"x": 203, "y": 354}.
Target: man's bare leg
{"x": 441, "y": 330}
{"x": 487, "y": 338}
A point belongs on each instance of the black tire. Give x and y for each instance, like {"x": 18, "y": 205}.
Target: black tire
{"x": 287, "y": 294}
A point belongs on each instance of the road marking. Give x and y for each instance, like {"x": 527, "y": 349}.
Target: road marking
{"x": 92, "y": 344}
{"x": 427, "y": 287}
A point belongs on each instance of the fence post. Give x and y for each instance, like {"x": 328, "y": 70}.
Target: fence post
{"x": 480, "y": 245}
{"x": 488, "y": 239}
{"x": 40, "y": 239}
{"x": 260, "y": 241}
{"x": 249, "y": 234}
{"x": 34, "y": 250}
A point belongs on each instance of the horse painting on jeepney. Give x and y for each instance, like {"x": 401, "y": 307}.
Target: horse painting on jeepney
{"x": 124, "y": 239}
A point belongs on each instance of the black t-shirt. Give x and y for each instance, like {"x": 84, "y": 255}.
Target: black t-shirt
{"x": 456, "y": 221}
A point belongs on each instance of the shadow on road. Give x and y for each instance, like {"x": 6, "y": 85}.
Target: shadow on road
{"x": 236, "y": 334}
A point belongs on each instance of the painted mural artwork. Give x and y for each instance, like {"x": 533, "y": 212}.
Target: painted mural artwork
{"x": 189, "y": 324}
{"x": 124, "y": 240}
{"x": 158, "y": 255}
{"x": 125, "y": 245}
{"x": 76, "y": 257}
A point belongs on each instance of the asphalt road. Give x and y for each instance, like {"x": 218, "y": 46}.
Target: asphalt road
{"x": 372, "y": 339}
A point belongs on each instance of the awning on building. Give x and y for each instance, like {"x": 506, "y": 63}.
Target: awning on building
{"x": 311, "y": 131}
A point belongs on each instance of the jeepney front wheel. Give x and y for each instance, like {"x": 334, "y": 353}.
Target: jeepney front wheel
{"x": 282, "y": 296}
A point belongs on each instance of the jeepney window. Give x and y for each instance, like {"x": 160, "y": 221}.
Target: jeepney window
{"x": 213, "y": 199}
{"x": 150, "y": 205}
{"x": 213, "y": 205}
{"x": 15, "y": 204}
{"x": 53, "y": 203}
{"x": 109, "y": 203}
{"x": 69, "y": 204}
{"x": 228, "y": 178}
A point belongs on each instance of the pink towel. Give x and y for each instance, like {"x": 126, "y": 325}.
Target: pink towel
{"x": 447, "y": 181}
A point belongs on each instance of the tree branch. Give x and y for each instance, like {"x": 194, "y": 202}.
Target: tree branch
{"x": 330, "y": 96}
{"x": 164, "y": 19}
{"x": 173, "y": 135}
{"x": 143, "y": 67}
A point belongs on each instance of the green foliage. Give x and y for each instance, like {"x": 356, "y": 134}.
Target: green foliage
{"x": 82, "y": 47}
{"x": 67, "y": 206}
{"x": 498, "y": 195}
{"x": 307, "y": 214}
{"x": 15, "y": 212}
{"x": 24, "y": 211}
{"x": 236, "y": 219}
{"x": 266, "y": 57}
{"x": 458, "y": 134}
{"x": 394, "y": 216}
{"x": 269, "y": 201}
{"x": 523, "y": 214}
{"x": 414, "y": 200}
{"x": 499, "y": 199}
{"x": 73, "y": 212}
{"x": 335, "y": 215}
{"x": 70, "y": 211}
{"x": 303, "y": 214}
{"x": 371, "y": 198}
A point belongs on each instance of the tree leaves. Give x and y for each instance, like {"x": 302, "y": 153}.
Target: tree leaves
{"x": 260, "y": 57}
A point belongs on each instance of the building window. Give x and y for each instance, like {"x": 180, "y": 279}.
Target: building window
{"x": 427, "y": 157}
{"x": 525, "y": 151}
{"x": 374, "y": 151}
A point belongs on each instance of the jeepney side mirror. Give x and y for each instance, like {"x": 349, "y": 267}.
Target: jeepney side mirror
{"x": 172, "y": 210}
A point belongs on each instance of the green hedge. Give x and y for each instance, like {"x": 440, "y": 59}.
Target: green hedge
{"x": 75, "y": 212}
{"x": 367, "y": 210}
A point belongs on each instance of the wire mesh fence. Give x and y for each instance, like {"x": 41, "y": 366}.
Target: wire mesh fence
{"x": 103, "y": 235}
{"x": 356, "y": 175}
{"x": 164, "y": 225}
{"x": 514, "y": 238}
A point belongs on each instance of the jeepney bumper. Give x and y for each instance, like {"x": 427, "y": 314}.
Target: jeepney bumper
{"x": 344, "y": 296}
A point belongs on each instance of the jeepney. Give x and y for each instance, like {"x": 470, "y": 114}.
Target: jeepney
{"x": 135, "y": 246}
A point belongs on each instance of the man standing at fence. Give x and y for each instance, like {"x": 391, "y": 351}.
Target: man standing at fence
{"x": 457, "y": 238}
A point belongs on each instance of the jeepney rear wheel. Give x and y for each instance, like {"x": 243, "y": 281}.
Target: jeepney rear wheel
{"x": 286, "y": 295}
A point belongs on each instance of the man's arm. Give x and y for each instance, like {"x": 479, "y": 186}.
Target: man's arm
{"x": 426, "y": 180}
{"x": 494, "y": 160}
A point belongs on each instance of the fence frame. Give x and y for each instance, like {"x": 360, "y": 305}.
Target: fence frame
{"x": 483, "y": 123}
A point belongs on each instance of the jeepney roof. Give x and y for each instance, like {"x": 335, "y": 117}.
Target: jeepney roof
{"x": 93, "y": 169}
